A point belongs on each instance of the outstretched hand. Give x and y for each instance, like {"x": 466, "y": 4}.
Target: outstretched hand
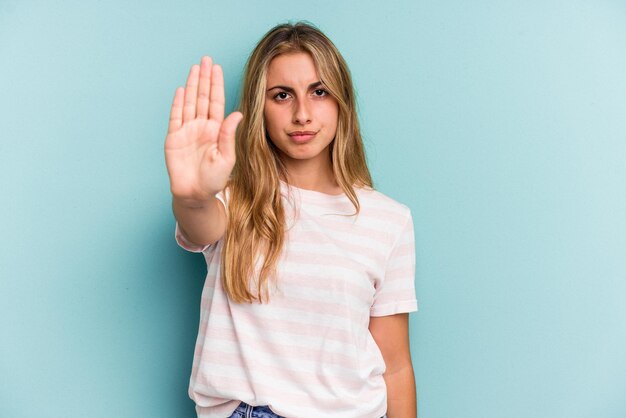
{"x": 200, "y": 143}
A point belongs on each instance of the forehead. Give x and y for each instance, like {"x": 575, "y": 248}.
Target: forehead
{"x": 292, "y": 69}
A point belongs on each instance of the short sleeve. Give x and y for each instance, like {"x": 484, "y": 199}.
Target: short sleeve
{"x": 396, "y": 291}
{"x": 184, "y": 242}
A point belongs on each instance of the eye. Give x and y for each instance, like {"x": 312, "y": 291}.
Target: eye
{"x": 281, "y": 98}
{"x": 325, "y": 93}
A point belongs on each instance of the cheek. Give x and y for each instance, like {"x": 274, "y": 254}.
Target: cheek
{"x": 269, "y": 118}
{"x": 332, "y": 114}
{"x": 273, "y": 116}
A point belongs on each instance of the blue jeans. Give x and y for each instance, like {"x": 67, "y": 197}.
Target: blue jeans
{"x": 262, "y": 411}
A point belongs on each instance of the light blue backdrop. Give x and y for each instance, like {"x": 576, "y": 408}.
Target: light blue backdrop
{"x": 501, "y": 124}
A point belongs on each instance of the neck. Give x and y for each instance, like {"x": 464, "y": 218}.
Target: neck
{"x": 314, "y": 174}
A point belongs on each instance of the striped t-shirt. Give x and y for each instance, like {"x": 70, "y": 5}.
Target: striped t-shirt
{"x": 309, "y": 352}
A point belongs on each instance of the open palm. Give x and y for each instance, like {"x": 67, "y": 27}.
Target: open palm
{"x": 200, "y": 143}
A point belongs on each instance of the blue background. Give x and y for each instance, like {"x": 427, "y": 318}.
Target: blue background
{"x": 501, "y": 124}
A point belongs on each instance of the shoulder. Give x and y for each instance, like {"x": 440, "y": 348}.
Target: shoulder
{"x": 374, "y": 200}
{"x": 387, "y": 215}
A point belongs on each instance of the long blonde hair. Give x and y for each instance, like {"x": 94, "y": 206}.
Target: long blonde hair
{"x": 255, "y": 233}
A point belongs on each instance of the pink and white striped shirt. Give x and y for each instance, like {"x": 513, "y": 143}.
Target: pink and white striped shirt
{"x": 309, "y": 353}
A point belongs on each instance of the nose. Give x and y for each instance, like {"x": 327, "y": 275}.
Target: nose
{"x": 301, "y": 113}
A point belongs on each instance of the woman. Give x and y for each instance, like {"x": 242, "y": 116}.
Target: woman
{"x": 304, "y": 311}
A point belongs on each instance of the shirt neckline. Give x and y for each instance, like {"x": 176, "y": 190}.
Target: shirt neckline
{"x": 312, "y": 193}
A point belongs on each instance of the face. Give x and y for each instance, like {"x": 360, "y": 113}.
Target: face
{"x": 297, "y": 102}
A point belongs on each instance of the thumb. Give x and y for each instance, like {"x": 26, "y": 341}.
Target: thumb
{"x": 226, "y": 139}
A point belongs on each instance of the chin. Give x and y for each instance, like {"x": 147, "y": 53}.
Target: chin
{"x": 301, "y": 154}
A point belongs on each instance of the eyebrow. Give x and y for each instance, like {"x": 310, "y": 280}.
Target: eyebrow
{"x": 289, "y": 89}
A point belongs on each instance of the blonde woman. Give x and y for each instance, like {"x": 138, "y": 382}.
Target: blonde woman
{"x": 304, "y": 311}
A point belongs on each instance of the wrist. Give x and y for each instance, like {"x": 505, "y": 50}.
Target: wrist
{"x": 191, "y": 203}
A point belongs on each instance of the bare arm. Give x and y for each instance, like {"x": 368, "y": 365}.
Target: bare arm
{"x": 202, "y": 224}
{"x": 391, "y": 334}
{"x": 401, "y": 394}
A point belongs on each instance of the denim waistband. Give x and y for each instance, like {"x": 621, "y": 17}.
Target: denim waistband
{"x": 245, "y": 410}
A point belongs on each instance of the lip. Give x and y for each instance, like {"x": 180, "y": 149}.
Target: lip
{"x": 302, "y": 136}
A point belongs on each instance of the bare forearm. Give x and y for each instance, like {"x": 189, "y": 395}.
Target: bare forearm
{"x": 401, "y": 394}
{"x": 201, "y": 222}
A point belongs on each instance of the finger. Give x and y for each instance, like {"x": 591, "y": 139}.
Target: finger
{"x": 204, "y": 87}
{"x": 226, "y": 141}
{"x": 216, "y": 107}
{"x": 191, "y": 92}
{"x": 176, "y": 113}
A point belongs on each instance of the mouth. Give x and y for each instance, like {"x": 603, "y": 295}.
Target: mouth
{"x": 302, "y": 136}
